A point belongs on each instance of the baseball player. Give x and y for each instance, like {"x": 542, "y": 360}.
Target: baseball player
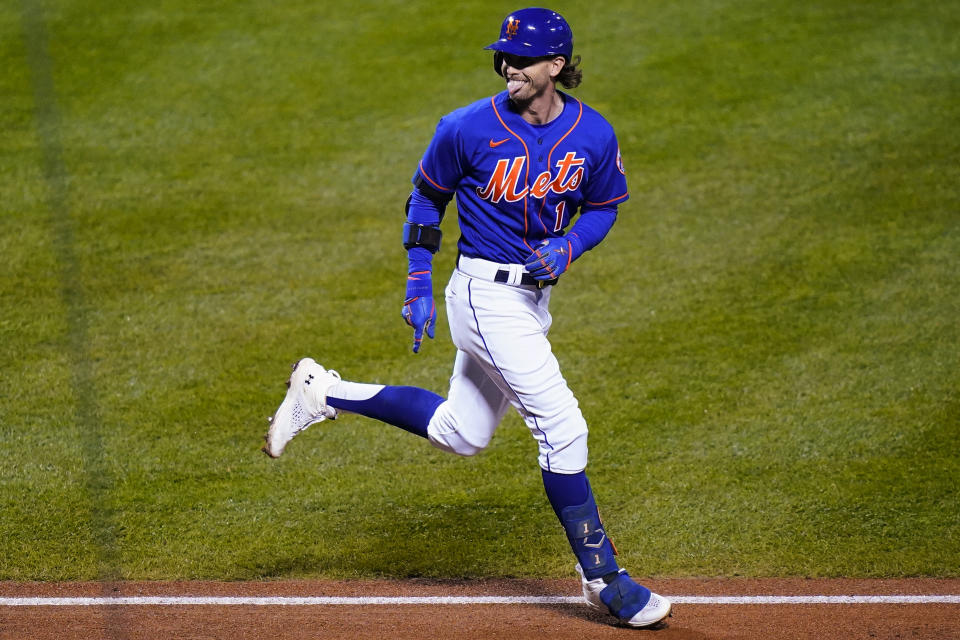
{"x": 523, "y": 165}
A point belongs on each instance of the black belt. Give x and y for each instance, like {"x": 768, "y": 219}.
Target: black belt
{"x": 504, "y": 276}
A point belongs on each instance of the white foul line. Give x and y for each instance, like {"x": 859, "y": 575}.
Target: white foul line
{"x": 271, "y": 601}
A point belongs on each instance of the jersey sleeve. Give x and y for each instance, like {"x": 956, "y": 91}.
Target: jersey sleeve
{"x": 607, "y": 186}
{"x": 441, "y": 167}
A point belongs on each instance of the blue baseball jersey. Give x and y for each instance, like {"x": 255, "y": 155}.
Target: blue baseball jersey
{"x": 518, "y": 183}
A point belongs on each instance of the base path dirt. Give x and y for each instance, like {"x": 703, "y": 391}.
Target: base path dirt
{"x": 386, "y": 620}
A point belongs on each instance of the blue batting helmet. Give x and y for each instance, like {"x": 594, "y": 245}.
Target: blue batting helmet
{"x": 535, "y": 33}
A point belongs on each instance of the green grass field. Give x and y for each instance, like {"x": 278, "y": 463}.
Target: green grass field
{"x": 766, "y": 347}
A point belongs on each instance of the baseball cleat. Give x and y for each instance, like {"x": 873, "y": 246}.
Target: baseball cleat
{"x": 633, "y": 604}
{"x": 305, "y": 404}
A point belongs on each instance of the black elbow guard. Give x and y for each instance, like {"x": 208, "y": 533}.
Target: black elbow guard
{"x": 419, "y": 235}
{"x": 438, "y": 197}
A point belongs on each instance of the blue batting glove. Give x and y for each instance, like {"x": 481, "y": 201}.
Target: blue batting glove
{"x": 419, "y": 310}
{"x": 421, "y": 314}
{"x": 550, "y": 258}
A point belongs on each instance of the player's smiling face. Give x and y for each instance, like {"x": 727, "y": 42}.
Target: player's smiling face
{"x": 529, "y": 78}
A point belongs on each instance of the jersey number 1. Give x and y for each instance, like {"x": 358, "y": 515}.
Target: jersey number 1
{"x": 561, "y": 208}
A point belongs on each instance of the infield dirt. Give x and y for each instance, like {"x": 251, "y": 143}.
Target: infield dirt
{"x": 515, "y": 621}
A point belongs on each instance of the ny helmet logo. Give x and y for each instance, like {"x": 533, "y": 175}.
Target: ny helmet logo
{"x": 512, "y": 27}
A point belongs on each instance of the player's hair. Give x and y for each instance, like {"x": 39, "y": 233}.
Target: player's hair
{"x": 570, "y": 76}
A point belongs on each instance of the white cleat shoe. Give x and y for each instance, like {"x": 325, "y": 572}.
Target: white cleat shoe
{"x": 655, "y": 610}
{"x": 304, "y": 405}
{"x": 591, "y": 591}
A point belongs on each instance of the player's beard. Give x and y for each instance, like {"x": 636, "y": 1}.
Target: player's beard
{"x": 520, "y": 104}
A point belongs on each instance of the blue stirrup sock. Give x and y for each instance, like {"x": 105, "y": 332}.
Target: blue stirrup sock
{"x": 409, "y": 408}
{"x": 573, "y": 502}
{"x": 624, "y": 597}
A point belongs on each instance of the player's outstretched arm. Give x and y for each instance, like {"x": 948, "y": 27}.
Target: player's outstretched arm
{"x": 421, "y": 239}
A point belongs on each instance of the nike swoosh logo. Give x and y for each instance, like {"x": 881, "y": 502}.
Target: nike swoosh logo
{"x": 496, "y": 144}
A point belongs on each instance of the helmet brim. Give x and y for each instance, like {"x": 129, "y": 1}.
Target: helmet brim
{"x": 510, "y": 46}
{"x": 524, "y": 49}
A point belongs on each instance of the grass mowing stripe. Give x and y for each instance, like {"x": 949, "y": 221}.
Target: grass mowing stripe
{"x": 47, "y": 117}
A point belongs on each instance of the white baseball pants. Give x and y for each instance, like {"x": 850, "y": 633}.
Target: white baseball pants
{"x": 504, "y": 359}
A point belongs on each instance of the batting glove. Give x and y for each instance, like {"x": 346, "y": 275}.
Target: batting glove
{"x": 419, "y": 310}
{"x": 552, "y": 257}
